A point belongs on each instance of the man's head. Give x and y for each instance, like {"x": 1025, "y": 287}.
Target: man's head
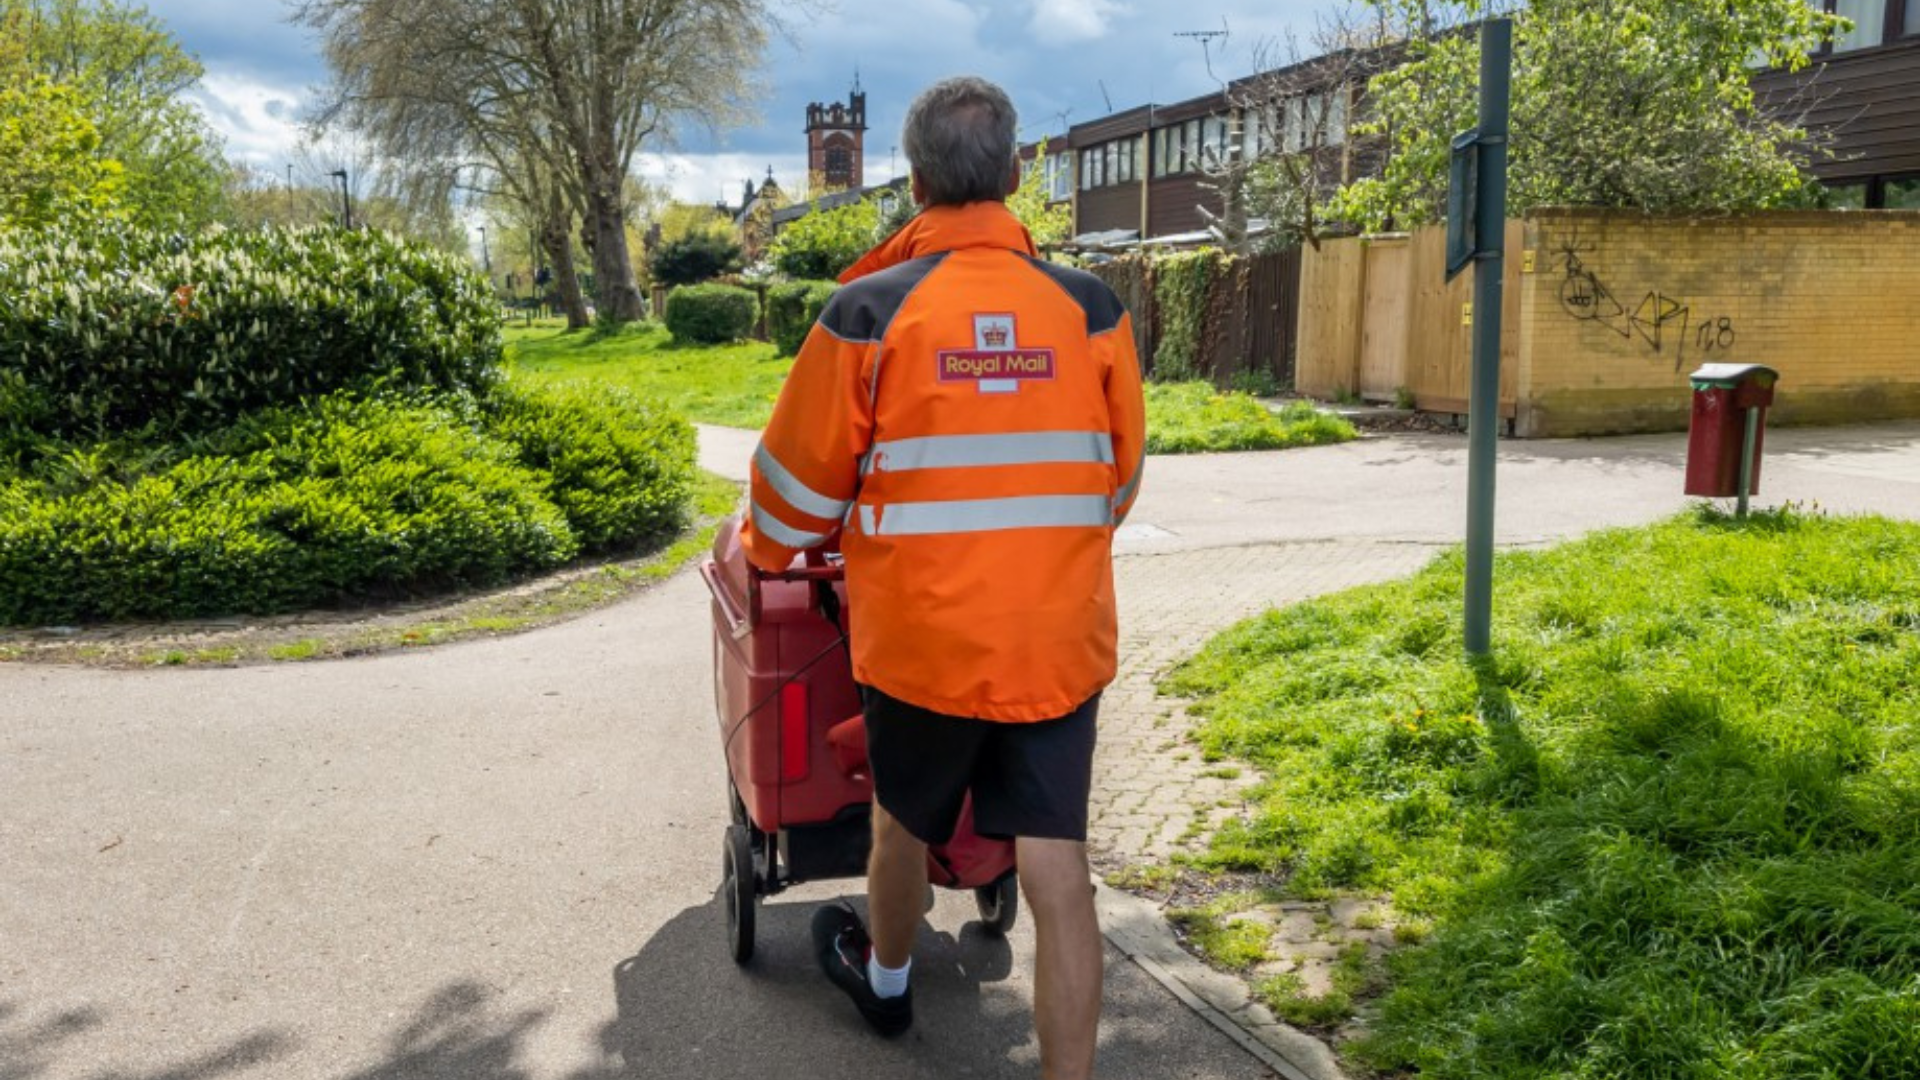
{"x": 959, "y": 141}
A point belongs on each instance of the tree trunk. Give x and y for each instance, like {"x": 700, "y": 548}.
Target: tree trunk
{"x": 618, "y": 294}
{"x": 554, "y": 239}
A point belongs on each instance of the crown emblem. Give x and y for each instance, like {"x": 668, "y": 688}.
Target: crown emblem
{"x": 995, "y": 336}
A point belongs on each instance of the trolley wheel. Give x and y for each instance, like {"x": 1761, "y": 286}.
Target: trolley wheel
{"x": 737, "y": 807}
{"x": 740, "y": 885}
{"x": 999, "y": 905}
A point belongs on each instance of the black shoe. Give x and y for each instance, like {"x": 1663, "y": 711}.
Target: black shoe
{"x": 842, "y": 946}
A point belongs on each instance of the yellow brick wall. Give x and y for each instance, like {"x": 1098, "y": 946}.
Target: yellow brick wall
{"x": 1619, "y": 307}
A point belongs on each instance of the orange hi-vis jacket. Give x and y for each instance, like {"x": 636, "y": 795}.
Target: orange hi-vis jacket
{"x": 973, "y": 417}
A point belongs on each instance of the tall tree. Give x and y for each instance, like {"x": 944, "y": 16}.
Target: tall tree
{"x": 50, "y": 165}
{"x": 131, "y": 76}
{"x": 1629, "y": 103}
{"x": 580, "y": 85}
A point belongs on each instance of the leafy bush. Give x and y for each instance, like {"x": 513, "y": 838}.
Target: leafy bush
{"x": 288, "y": 510}
{"x": 825, "y": 242}
{"x": 621, "y": 469}
{"x": 792, "y": 309}
{"x": 106, "y": 330}
{"x": 293, "y": 508}
{"x": 694, "y": 258}
{"x": 711, "y": 314}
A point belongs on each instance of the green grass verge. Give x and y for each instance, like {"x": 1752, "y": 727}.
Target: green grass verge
{"x": 736, "y": 385}
{"x": 1194, "y": 417}
{"x": 732, "y": 385}
{"x": 1672, "y": 829}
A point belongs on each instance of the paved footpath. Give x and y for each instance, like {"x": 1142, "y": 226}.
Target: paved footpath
{"x": 498, "y": 860}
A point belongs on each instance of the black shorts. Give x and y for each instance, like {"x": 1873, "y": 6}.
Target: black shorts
{"x": 1027, "y": 779}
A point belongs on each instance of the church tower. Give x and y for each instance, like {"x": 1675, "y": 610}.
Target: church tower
{"x": 836, "y": 141}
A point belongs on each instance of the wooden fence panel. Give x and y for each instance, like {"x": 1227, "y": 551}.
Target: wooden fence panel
{"x": 1254, "y": 319}
{"x": 1131, "y": 279}
{"x": 1271, "y": 309}
{"x": 1327, "y": 357}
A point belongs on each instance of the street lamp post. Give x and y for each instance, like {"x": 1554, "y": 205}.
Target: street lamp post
{"x": 486, "y": 259}
{"x": 346, "y": 199}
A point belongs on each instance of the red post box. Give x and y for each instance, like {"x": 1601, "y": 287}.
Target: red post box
{"x": 1724, "y": 440}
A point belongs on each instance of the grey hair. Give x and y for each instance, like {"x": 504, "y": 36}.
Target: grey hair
{"x": 959, "y": 138}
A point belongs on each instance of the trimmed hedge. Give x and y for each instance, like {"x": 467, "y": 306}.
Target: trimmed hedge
{"x": 793, "y": 308}
{"x": 352, "y": 498}
{"x": 711, "y": 314}
{"x": 621, "y": 468}
{"x": 106, "y": 330}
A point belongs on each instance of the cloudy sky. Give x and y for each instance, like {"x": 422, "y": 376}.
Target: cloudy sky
{"x": 1053, "y": 56}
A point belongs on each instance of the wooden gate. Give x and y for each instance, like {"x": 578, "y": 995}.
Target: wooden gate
{"x": 1272, "y": 314}
{"x": 1385, "y": 308}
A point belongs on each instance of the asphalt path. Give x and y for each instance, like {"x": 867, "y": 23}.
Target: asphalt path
{"x": 496, "y": 860}
{"x": 500, "y": 860}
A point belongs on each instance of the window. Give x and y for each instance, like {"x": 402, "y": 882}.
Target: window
{"x": 1116, "y": 161}
{"x": 1336, "y": 133}
{"x": 1869, "y": 23}
{"x": 1903, "y": 194}
{"x": 1059, "y": 177}
{"x": 1847, "y": 196}
{"x": 1213, "y": 142}
{"x": 1910, "y": 23}
{"x": 1092, "y": 170}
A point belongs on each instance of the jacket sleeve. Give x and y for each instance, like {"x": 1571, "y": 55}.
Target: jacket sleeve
{"x": 806, "y": 469}
{"x": 1127, "y": 411}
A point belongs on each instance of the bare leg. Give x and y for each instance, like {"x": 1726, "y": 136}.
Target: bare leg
{"x": 896, "y": 889}
{"x": 1071, "y": 960}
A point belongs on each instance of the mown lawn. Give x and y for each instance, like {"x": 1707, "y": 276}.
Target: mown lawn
{"x": 1193, "y": 417}
{"x": 731, "y": 385}
{"x": 1671, "y": 830}
{"x": 735, "y": 386}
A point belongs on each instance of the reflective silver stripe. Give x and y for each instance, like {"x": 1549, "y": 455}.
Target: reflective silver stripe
{"x": 791, "y": 488}
{"x": 866, "y": 521}
{"x": 992, "y": 515}
{"x": 1121, "y": 498}
{"x": 783, "y": 534}
{"x": 1021, "y": 448}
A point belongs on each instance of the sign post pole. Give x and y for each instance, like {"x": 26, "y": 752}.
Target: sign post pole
{"x": 1488, "y": 201}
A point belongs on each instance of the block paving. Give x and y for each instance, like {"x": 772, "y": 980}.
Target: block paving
{"x": 1154, "y": 794}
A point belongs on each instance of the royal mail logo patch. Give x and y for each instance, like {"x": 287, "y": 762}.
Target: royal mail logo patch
{"x": 997, "y": 362}
{"x": 967, "y": 365}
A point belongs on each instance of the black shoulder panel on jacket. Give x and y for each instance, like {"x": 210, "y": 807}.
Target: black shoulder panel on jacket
{"x": 1103, "y": 308}
{"x": 861, "y": 311}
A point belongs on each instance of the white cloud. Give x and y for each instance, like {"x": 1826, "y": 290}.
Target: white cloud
{"x": 259, "y": 122}
{"x": 710, "y": 178}
{"x": 1066, "y": 22}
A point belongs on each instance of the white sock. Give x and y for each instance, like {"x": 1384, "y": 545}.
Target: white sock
{"x": 887, "y": 982}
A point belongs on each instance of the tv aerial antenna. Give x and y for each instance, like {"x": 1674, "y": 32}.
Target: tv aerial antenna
{"x": 1206, "y": 39}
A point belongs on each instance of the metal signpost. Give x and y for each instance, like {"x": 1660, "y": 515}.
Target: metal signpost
{"x": 1477, "y": 233}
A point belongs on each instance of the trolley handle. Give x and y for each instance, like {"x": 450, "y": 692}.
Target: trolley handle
{"x": 739, "y": 623}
